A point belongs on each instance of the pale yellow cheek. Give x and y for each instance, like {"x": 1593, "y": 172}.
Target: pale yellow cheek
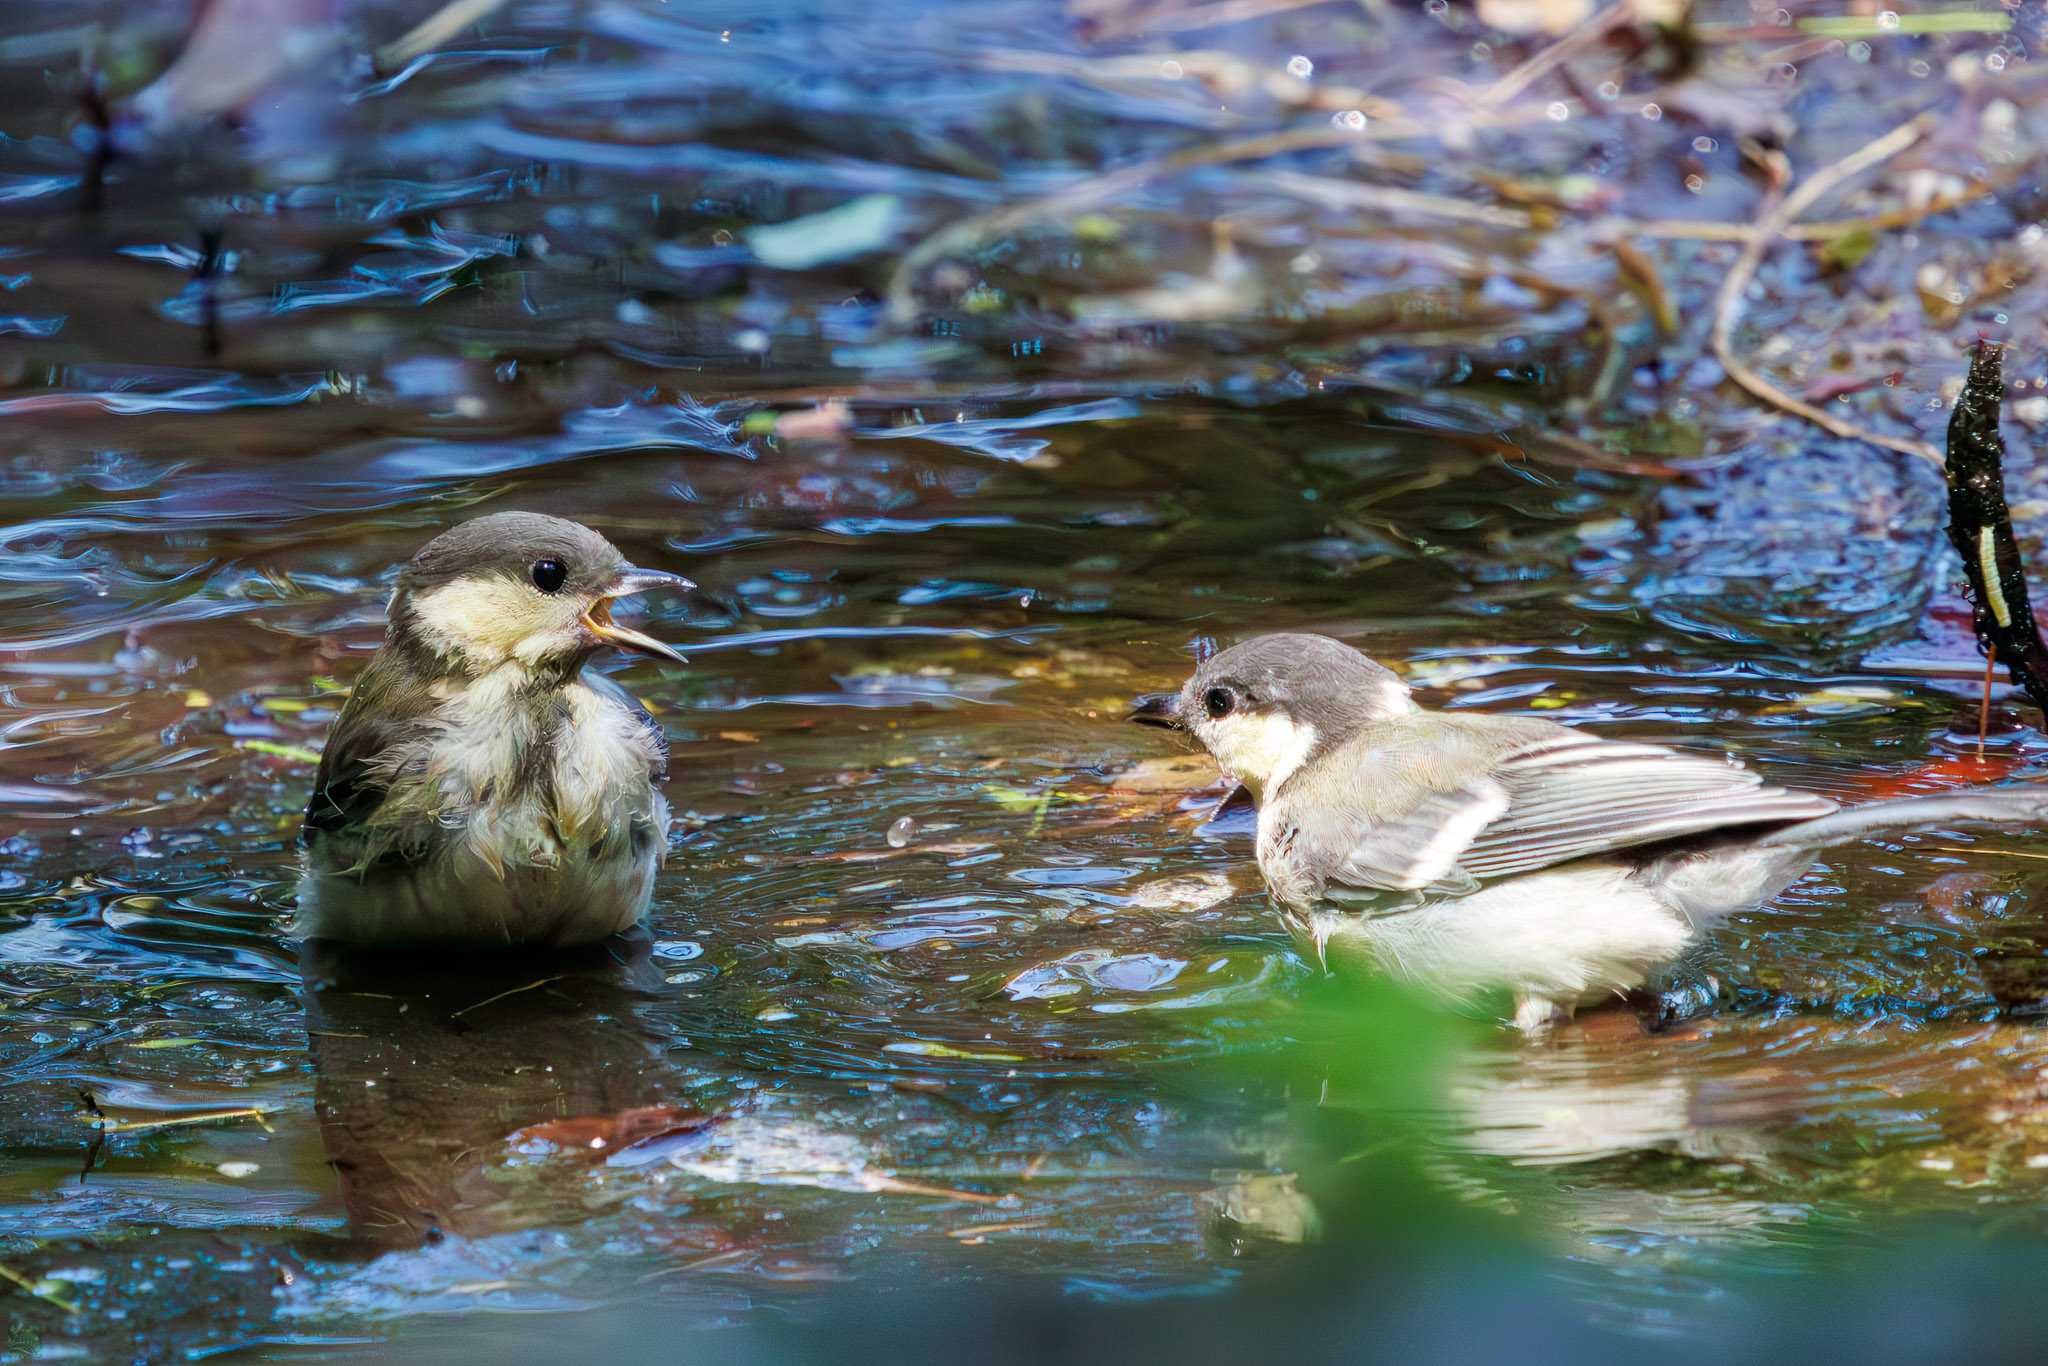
{"x": 1262, "y": 750}
{"x": 492, "y": 619}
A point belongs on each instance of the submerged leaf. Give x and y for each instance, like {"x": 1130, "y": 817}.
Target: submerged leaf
{"x": 853, "y": 229}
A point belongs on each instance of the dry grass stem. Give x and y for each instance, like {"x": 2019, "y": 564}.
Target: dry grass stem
{"x": 1728, "y": 300}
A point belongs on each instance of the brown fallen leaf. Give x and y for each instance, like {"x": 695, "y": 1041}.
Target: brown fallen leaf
{"x": 597, "y": 1136}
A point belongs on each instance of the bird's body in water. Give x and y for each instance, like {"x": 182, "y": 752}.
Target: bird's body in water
{"x": 482, "y": 787}
{"x": 1469, "y": 853}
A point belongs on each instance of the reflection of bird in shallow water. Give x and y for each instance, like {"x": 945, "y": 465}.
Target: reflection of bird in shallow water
{"x": 464, "y": 1100}
{"x": 1547, "y": 1138}
{"x": 429, "y": 1080}
{"x": 1469, "y": 853}
{"x": 1601, "y": 1093}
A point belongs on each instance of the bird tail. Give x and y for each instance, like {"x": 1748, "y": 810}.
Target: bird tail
{"x": 2021, "y": 805}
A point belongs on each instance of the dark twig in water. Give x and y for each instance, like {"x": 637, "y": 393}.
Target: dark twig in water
{"x": 1980, "y": 528}
{"x": 206, "y": 273}
{"x": 98, "y": 1145}
{"x": 93, "y": 100}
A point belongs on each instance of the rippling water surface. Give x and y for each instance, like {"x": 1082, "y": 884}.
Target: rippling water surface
{"x": 951, "y": 980}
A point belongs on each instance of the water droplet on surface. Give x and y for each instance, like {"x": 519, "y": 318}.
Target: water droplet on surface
{"x": 1918, "y": 67}
{"x": 1887, "y": 19}
{"x": 1704, "y": 144}
{"x": 725, "y": 35}
{"x": 902, "y": 832}
{"x": 1994, "y": 61}
{"x": 1558, "y": 111}
{"x": 1439, "y": 8}
{"x": 1352, "y": 119}
{"x": 1170, "y": 70}
{"x": 1695, "y": 182}
{"x": 1300, "y": 67}
{"x": 1653, "y": 112}
{"x": 1859, "y": 52}
{"x": 1609, "y": 90}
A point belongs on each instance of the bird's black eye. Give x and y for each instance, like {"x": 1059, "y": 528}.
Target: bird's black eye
{"x": 550, "y": 575}
{"x": 1219, "y": 702}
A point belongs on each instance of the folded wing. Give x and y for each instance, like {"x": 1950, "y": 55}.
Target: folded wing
{"x": 1558, "y": 796}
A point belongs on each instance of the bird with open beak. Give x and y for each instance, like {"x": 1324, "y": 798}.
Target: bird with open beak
{"x": 1468, "y": 853}
{"x": 483, "y": 786}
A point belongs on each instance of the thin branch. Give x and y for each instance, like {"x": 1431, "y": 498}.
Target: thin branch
{"x": 38, "y": 1289}
{"x": 135, "y": 1126}
{"x": 1160, "y": 19}
{"x": 1592, "y": 30}
{"x": 1826, "y": 230}
{"x": 1332, "y": 193}
{"x": 891, "y": 1185}
{"x": 509, "y": 991}
{"x": 436, "y": 29}
{"x": 1728, "y": 302}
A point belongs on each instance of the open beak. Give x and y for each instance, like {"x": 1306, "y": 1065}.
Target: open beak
{"x": 598, "y": 619}
{"x": 1157, "y": 709}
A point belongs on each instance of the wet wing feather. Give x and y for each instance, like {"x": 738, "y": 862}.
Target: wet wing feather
{"x": 383, "y": 711}
{"x": 1420, "y": 846}
{"x": 1583, "y": 795}
{"x": 1554, "y": 798}
{"x": 345, "y": 793}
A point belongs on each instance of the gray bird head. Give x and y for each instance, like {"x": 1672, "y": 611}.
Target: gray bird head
{"x": 1264, "y": 707}
{"x": 520, "y": 587}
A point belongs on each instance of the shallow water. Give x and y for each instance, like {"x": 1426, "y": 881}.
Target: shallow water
{"x": 948, "y": 980}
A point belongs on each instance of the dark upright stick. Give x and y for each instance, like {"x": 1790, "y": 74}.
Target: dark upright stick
{"x": 1980, "y": 527}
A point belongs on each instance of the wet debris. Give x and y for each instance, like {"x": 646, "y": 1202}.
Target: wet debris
{"x": 104, "y": 1125}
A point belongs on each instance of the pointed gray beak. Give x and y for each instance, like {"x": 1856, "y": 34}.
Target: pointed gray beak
{"x": 598, "y": 620}
{"x": 633, "y": 580}
{"x": 1157, "y": 709}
